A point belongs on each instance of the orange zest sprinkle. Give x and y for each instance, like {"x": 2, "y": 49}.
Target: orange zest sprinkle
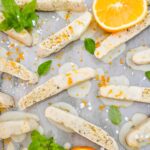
{"x": 81, "y": 60}
{"x": 110, "y": 91}
{"x": 70, "y": 81}
{"x": 80, "y": 22}
{"x": 121, "y": 61}
{"x": 97, "y": 53}
{"x": 119, "y": 94}
{"x": 97, "y": 77}
{"x": 9, "y": 53}
{"x": 65, "y": 36}
{"x": 68, "y": 74}
{"x": 68, "y": 15}
{"x": 70, "y": 29}
{"x": 12, "y": 45}
{"x": 75, "y": 71}
{"x": 102, "y": 107}
{"x": 17, "y": 49}
{"x": 104, "y": 80}
{"x": 84, "y": 102}
{"x": 110, "y": 63}
{"x": 13, "y": 64}
{"x": 59, "y": 65}
{"x": 17, "y": 60}
{"x": 97, "y": 44}
{"x": 58, "y": 39}
{"x": 21, "y": 56}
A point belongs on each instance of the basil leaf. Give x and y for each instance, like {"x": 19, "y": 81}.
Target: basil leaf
{"x": 17, "y": 18}
{"x": 10, "y": 7}
{"x": 4, "y": 26}
{"x": 44, "y": 68}
{"x": 30, "y": 8}
{"x": 147, "y": 74}
{"x": 31, "y": 21}
{"x": 30, "y": 18}
{"x": 41, "y": 142}
{"x": 89, "y": 45}
{"x": 115, "y": 115}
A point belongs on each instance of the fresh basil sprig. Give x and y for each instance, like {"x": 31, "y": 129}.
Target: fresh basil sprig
{"x": 41, "y": 142}
{"x": 115, "y": 115}
{"x": 147, "y": 74}
{"x": 18, "y": 18}
{"x": 90, "y": 45}
{"x": 44, "y": 68}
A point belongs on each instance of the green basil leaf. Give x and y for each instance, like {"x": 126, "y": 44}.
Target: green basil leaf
{"x": 29, "y": 8}
{"x": 17, "y": 18}
{"x": 31, "y": 21}
{"x": 44, "y": 68}
{"x": 4, "y": 26}
{"x": 41, "y": 142}
{"x": 89, "y": 45}
{"x": 115, "y": 115}
{"x": 10, "y": 7}
{"x": 30, "y": 17}
{"x": 147, "y": 74}
{"x": 34, "y": 145}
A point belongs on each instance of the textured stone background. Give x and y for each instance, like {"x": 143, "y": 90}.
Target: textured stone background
{"x": 52, "y": 22}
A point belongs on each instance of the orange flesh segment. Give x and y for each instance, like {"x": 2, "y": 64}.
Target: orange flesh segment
{"x": 82, "y": 148}
{"x": 117, "y": 13}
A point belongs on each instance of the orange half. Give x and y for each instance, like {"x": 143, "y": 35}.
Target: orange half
{"x": 82, "y": 148}
{"x": 116, "y": 15}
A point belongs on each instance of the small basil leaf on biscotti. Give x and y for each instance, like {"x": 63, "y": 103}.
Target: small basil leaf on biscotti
{"x": 147, "y": 74}
{"x": 115, "y": 115}
{"x": 89, "y": 45}
{"x": 44, "y": 68}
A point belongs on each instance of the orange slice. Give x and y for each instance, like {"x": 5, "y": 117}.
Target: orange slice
{"x": 115, "y": 15}
{"x": 82, "y": 148}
